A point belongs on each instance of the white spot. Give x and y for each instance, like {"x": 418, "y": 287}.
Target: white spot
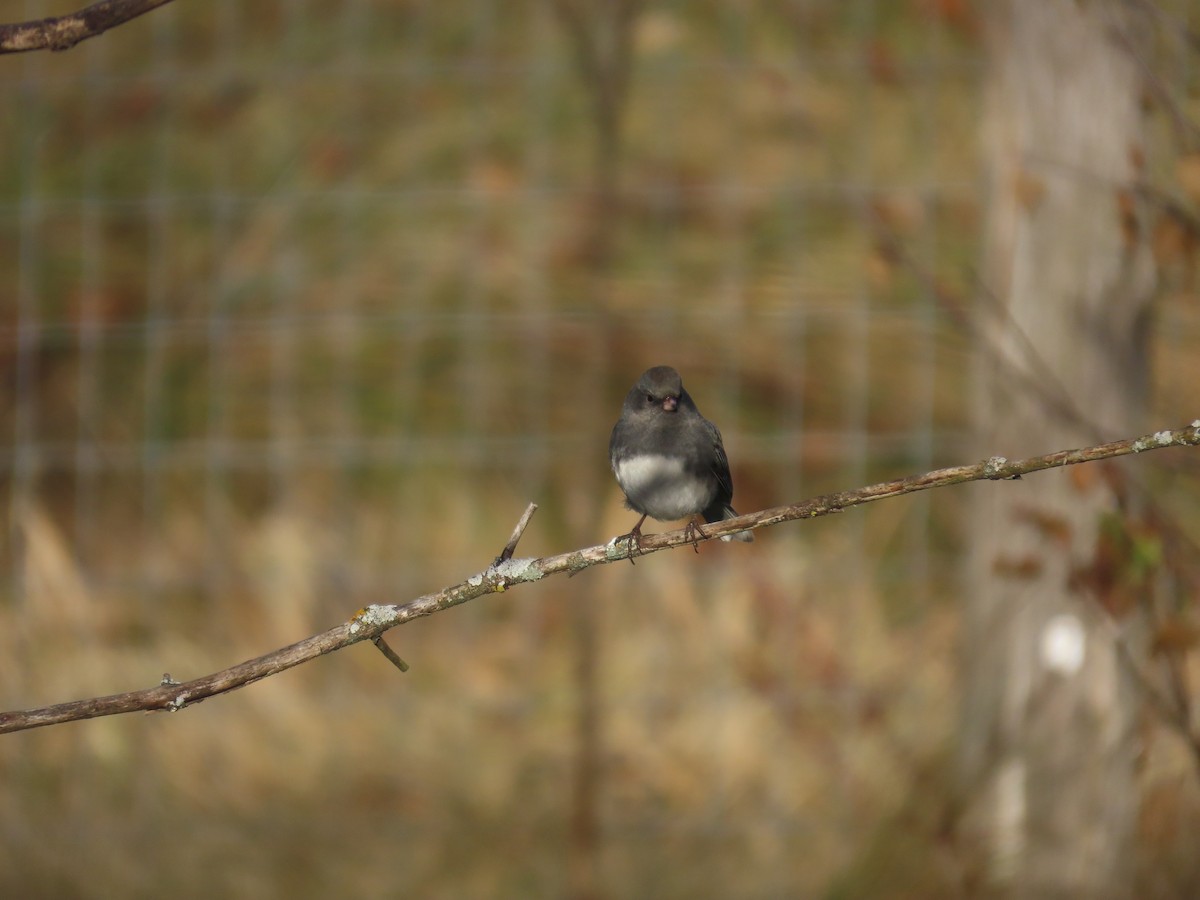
{"x": 1063, "y": 644}
{"x": 662, "y": 487}
{"x": 1010, "y": 816}
{"x": 475, "y": 580}
{"x": 1163, "y": 437}
{"x": 635, "y": 472}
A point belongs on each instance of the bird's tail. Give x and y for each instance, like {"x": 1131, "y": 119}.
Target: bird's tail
{"x": 728, "y": 512}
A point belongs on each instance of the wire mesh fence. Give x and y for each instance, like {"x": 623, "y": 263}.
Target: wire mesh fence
{"x": 306, "y": 304}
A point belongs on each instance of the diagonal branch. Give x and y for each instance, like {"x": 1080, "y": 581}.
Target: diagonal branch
{"x": 64, "y": 32}
{"x": 370, "y": 623}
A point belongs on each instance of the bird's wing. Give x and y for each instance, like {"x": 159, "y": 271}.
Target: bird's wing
{"x": 720, "y": 464}
{"x": 613, "y": 454}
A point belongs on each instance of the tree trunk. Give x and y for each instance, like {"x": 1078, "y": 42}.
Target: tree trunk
{"x": 1048, "y": 731}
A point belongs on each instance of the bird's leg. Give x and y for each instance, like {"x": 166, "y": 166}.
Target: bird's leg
{"x": 694, "y": 533}
{"x": 635, "y": 540}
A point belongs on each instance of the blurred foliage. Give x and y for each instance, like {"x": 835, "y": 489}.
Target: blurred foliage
{"x": 302, "y": 313}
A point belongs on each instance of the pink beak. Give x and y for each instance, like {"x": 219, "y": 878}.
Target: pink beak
{"x": 670, "y": 403}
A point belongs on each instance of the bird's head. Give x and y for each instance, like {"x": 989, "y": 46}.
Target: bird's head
{"x": 660, "y": 387}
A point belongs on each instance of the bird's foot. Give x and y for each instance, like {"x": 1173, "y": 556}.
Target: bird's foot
{"x": 634, "y": 540}
{"x": 694, "y": 533}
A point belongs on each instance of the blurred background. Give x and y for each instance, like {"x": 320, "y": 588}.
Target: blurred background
{"x": 303, "y": 303}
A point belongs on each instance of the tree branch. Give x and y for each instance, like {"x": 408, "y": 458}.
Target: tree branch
{"x": 64, "y": 32}
{"x": 370, "y": 623}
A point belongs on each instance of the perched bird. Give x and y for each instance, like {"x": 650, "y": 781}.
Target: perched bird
{"x": 668, "y": 458}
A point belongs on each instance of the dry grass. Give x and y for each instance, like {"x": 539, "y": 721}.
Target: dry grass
{"x": 727, "y": 706}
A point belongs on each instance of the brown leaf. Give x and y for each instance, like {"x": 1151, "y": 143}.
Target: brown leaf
{"x": 1125, "y": 561}
{"x": 1170, "y": 239}
{"x": 1029, "y": 190}
{"x": 1175, "y": 635}
{"x": 1019, "y": 567}
{"x": 958, "y": 14}
{"x": 1050, "y": 525}
{"x": 1187, "y": 170}
{"x": 881, "y": 62}
{"x": 1083, "y": 478}
{"x": 1163, "y": 814}
{"x": 881, "y": 269}
{"x": 1127, "y": 212}
{"x": 900, "y": 212}
{"x": 493, "y": 178}
{"x": 1137, "y": 157}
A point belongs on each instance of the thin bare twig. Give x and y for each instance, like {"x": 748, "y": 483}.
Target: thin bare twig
{"x": 64, "y": 32}
{"x": 1186, "y": 132}
{"x": 1172, "y": 708}
{"x": 391, "y": 654}
{"x": 511, "y": 547}
{"x": 373, "y": 621}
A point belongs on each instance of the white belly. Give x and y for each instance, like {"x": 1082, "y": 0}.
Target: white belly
{"x": 659, "y": 486}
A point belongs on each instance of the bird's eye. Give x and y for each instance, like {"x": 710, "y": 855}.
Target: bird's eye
{"x": 649, "y": 398}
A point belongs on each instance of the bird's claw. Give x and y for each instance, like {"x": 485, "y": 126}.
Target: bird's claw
{"x": 694, "y": 533}
{"x": 634, "y": 540}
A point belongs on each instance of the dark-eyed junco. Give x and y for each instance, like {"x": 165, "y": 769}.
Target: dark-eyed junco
{"x": 668, "y": 458}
